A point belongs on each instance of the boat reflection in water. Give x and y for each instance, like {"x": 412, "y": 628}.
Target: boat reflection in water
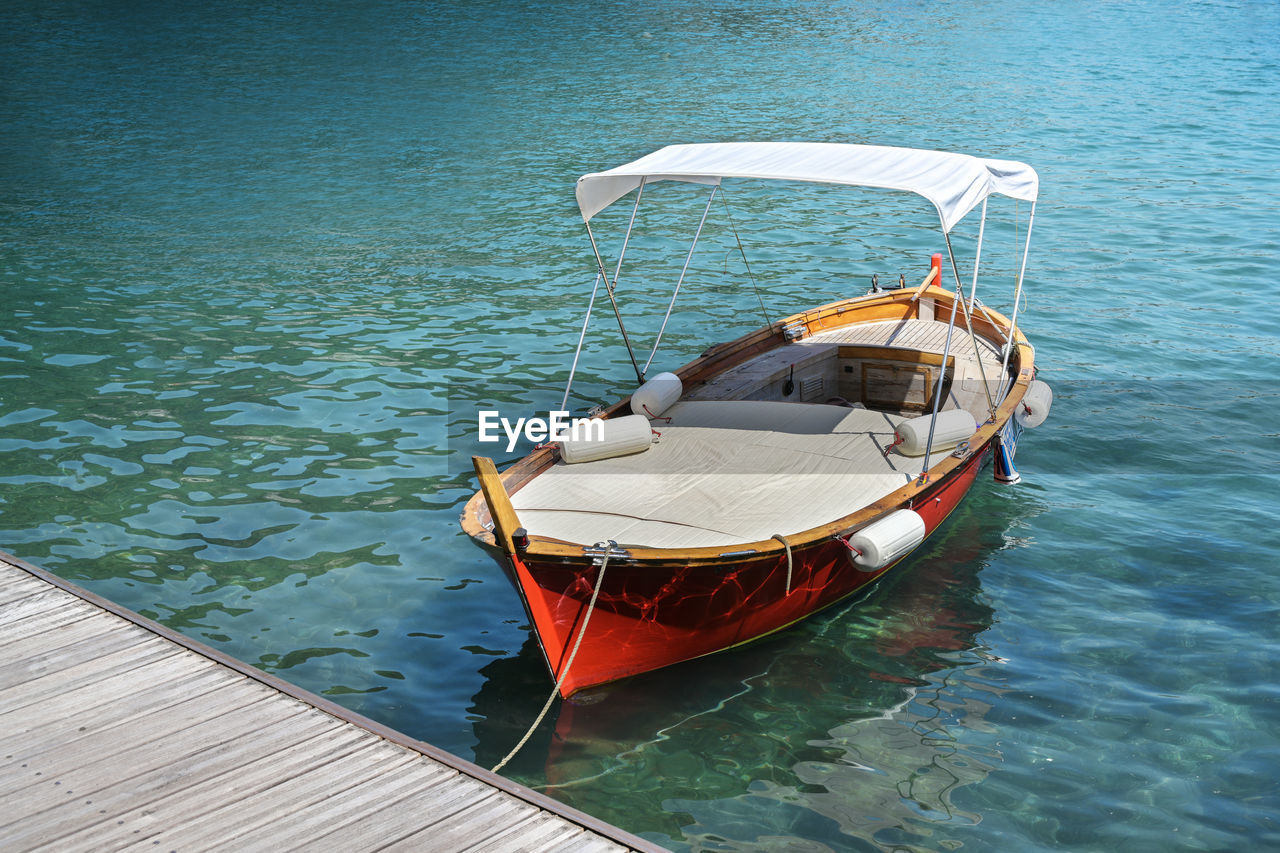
{"x": 862, "y": 722}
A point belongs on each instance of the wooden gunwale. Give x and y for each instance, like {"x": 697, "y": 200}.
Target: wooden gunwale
{"x": 896, "y": 304}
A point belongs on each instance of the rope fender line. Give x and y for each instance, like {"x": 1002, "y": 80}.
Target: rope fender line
{"x": 844, "y": 540}
{"x": 564, "y": 673}
{"x": 654, "y": 417}
{"x": 786, "y": 545}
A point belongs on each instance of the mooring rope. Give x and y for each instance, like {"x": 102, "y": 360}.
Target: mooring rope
{"x": 595, "y": 593}
{"x": 786, "y": 545}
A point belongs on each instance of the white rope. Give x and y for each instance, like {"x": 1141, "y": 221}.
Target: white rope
{"x": 564, "y": 404}
{"x": 786, "y": 545}
{"x": 555, "y": 691}
{"x": 683, "y": 272}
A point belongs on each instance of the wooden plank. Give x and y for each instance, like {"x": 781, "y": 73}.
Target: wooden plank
{"x": 589, "y": 842}
{"x": 43, "y": 647}
{"x": 15, "y": 587}
{"x": 364, "y": 804}
{"x": 166, "y": 810}
{"x": 35, "y": 626}
{"x": 83, "y": 715}
{"x": 48, "y": 601}
{"x": 100, "y": 806}
{"x": 328, "y": 794}
{"x": 470, "y": 826}
{"x": 161, "y": 670}
{"x": 505, "y": 522}
{"x": 892, "y": 353}
{"x": 297, "y": 793}
{"x": 7, "y": 580}
{"x": 141, "y": 815}
{"x": 23, "y": 618}
{"x": 135, "y": 727}
{"x": 438, "y": 807}
{"x": 124, "y": 653}
{"x": 539, "y": 833}
{"x": 142, "y": 739}
{"x": 392, "y": 822}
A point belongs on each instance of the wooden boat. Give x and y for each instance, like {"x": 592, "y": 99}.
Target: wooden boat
{"x": 780, "y": 472}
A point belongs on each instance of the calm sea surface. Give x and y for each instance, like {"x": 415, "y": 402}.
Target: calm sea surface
{"x": 260, "y": 263}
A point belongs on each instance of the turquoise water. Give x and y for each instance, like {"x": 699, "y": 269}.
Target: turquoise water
{"x": 262, "y": 262}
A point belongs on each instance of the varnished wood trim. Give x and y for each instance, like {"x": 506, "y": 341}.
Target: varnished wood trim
{"x": 889, "y": 353}
{"x": 505, "y": 521}
{"x": 934, "y": 273}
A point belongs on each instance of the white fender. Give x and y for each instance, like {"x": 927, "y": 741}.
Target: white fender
{"x": 882, "y": 542}
{"x": 657, "y": 395}
{"x": 953, "y": 427}
{"x": 1034, "y": 407}
{"x": 616, "y": 437}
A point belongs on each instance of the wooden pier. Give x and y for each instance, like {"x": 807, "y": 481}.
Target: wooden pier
{"x": 119, "y": 733}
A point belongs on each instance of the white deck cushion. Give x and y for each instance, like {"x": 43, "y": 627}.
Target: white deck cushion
{"x": 723, "y": 473}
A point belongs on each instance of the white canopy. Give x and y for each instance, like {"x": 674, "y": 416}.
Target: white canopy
{"x": 955, "y": 183}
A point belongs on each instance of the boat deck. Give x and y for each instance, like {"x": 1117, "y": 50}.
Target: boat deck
{"x": 120, "y": 734}
{"x": 924, "y": 335}
{"x": 921, "y": 335}
{"x": 736, "y": 465}
{"x": 721, "y": 474}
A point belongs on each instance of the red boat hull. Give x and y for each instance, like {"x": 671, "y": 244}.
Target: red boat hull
{"x": 650, "y": 615}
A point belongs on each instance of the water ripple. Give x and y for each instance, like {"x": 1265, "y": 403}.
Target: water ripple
{"x": 262, "y": 269}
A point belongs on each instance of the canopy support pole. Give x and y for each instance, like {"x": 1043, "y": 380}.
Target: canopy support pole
{"x": 957, "y": 301}
{"x": 994, "y": 325}
{"x": 1017, "y": 295}
{"x": 679, "y": 282}
{"x": 942, "y": 371}
{"x": 609, "y": 286}
{"x": 968, "y": 318}
{"x": 977, "y": 258}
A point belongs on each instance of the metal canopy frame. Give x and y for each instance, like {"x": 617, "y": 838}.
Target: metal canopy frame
{"x": 961, "y": 302}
